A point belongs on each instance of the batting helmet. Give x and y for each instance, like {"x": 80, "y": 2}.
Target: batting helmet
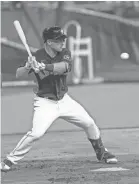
{"x": 53, "y": 33}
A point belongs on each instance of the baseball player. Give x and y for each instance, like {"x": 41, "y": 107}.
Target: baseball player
{"x": 50, "y": 66}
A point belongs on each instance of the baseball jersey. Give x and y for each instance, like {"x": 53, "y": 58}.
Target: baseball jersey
{"x": 50, "y": 85}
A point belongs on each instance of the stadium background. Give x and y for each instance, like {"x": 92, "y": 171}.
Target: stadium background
{"x": 111, "y": 35}
{"x": 64, "y": 155}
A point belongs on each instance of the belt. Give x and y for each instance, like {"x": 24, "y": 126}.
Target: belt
{"x": 50, "y": 98}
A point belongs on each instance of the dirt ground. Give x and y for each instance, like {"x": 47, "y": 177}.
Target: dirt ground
{"x": 64, "y": 155}
{"x": 68, "y": 158}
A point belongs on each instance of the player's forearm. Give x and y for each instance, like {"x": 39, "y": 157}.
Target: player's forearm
{"x": 22, "y": 72}
{"x": 58, "y": 68}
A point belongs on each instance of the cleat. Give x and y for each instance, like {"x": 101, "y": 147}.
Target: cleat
{"x": 109, "y": 158}
{"x": 5, "y": 165}
{"x": 102, "y": 153}
{"x": 111, "y": 161}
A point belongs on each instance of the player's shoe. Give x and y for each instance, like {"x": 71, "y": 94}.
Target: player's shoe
{"x": 6, "y": 165}
{"x": 107, "y": 157}
{"x": 103, "y": 155}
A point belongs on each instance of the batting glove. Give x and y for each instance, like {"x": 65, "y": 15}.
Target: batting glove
{"x": 32, "y": 63}
{"x": 42, "y": 66}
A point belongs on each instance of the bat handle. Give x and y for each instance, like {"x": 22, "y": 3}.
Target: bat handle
{"x": 28, "y": 50}
{"x": 30, "y": 55}
{"x": 36, "y": 70}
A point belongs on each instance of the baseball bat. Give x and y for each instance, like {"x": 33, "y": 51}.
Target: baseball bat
{"x": 22, "y": 37}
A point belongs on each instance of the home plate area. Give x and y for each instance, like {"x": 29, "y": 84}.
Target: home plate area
{"x": 68, "y": 158}
{"x": 110, "y": 169}
{"x": 74, "y": 170}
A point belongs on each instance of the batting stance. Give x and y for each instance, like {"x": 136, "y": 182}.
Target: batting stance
{"x": 51, "y": 101}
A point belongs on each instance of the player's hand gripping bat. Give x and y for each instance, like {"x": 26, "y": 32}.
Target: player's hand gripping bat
{"x": 24, "y": 41}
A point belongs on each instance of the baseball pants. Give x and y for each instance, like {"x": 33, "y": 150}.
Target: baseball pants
{"x": 46, "y": 111}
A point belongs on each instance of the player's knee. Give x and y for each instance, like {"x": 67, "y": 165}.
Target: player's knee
{"x": 92, "y": 131}
{"x": 90, "y": 123}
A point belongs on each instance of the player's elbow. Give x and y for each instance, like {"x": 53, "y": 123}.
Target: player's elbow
{"x": 21, "y": 72}
{"x": 17, "y": 74}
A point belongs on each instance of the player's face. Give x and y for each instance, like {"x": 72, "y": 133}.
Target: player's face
{"x": 57, "y": 45}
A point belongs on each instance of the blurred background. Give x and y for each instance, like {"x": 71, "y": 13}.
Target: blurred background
{"x": 107, "y": 29}
{"x": 103, "y": 39}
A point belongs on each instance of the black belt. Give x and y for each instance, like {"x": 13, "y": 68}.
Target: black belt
{"x": 50, "y": 98}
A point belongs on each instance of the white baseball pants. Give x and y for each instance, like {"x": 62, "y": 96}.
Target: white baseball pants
{"x": 46, "y": 111}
